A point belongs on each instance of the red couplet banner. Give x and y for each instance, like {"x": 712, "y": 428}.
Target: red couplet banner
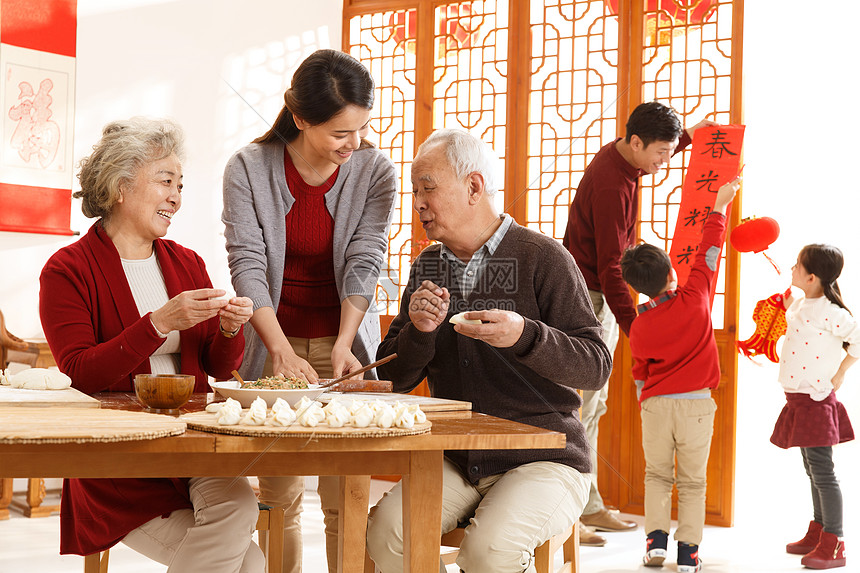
{"x": 714, "y": 160}
{"x": 37, "y": 58}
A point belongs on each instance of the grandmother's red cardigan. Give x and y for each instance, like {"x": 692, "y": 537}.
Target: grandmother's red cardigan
{"x": 100, "y": 340}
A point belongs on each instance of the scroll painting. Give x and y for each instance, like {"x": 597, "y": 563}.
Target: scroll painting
{"x": 37, "y": 124}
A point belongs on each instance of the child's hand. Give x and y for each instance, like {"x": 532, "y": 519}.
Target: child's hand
{"x": 837, "y": 380}
{"x": 726, "y": 194}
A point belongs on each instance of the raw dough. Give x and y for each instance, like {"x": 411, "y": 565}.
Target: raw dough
{"x": 40, "y": 379}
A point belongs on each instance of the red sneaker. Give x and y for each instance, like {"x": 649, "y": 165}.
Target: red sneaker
{"x": 809, "y": 541}
{"x": 829, "y": 553}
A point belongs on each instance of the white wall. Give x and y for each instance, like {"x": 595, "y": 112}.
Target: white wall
{"x": 181, "y": 59}
{"x": 801, "y": 117}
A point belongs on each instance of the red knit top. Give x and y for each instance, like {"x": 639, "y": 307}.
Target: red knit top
{"x": 309, "y": 305}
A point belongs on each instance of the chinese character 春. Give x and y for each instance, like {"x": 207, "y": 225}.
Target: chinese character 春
{"x": 718, "y": 145}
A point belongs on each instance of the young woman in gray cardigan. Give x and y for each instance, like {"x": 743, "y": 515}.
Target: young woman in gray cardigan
{"x": 312, "y": 276}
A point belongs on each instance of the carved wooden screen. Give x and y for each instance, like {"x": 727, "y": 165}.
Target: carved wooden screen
{"x": 458, "y": 73}
{"x": 689, "y": 56}
{"x": 547, "y": 83}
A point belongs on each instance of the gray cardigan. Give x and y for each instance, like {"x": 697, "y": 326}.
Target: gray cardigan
{"x": 256, "y": 200}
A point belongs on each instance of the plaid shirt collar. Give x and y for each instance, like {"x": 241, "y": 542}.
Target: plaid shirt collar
{"x": 467, "y": 274}
{"x": 668, "y": 295}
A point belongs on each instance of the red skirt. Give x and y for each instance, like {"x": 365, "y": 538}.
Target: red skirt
{"x": 805, "y": 423}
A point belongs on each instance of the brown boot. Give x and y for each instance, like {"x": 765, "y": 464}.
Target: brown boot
{"x": 809, "y": 541}
{"x": 829, "y": 553}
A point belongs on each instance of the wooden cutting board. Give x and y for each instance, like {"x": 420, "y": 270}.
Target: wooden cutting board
{"x": 426, "y": 403}
{"x": 205, "y": 422}
{"x": 39, "y": 425}
{"x": 68, "y": 397}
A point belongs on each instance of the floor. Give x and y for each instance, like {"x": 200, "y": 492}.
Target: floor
{"x": 755, "y": 545}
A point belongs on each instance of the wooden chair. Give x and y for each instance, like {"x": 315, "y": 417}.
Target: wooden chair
{"x": 568, "y": 540}
{"x": 14, "y": 349}
{"x": 14, "y": 346}
{"x": 270, "y": 525}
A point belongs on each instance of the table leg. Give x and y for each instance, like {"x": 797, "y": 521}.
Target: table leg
{"x": 352, "y": 523}
{"x": 422, "y": 512}
{"x": 5, "y": 497}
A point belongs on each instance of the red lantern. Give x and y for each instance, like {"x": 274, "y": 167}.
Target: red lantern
{"x": 755, "y": 234}
{"x": 663, "y": 18}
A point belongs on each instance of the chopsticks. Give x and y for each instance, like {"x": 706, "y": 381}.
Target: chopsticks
{"x": 361, "y": 370}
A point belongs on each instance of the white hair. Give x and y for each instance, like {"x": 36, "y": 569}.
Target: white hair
{"x": 466, "y": 154}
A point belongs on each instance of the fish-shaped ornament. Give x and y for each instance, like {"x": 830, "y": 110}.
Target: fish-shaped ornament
{"x": 769, "y": 318}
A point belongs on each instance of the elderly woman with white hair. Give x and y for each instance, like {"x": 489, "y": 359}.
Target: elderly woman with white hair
{"x": 122, "y": 301}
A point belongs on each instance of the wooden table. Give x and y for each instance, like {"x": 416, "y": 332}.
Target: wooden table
{"x": 417, "y": 458}
{"x": 31, "y": 505}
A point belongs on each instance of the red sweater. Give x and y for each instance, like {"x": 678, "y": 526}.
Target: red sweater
{"x": 93, "y": 327}
{"x": 672, "y": 343}
{"x": 602, "y": 224}
{"x": 98, "y": 338}
{"x": 309, "y": 305}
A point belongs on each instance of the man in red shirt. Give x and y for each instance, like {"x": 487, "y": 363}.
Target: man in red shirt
{"x": 601, "y": 225}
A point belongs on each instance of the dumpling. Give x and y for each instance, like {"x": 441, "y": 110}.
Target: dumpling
{"x": 362, "y": 417}
{"x": 460, "y": 318}
{"x": 279, "y": 403}
{"x": 310, "y": 415}
{"x": 384, "y": 417}
{"x": 256, "y": 415}
{"x": 403, "y": 418}
{"x": 230, "y": 413}
{"x": 283, "y": 416}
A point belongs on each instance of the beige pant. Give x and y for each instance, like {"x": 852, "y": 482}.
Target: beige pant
{"x": 287, "y": 492}
{"x": 594, "y": 401}
{"x": 511, "y": 514}
{"x": 214, "y": 536}
{"x": 676, "y": 440}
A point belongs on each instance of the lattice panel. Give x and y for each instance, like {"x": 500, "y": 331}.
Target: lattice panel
{"x": 573, "y": 90}
{"x": 385, "y": 43}
{"x": 686, "y": 63}
{"x": 470, "y": 72}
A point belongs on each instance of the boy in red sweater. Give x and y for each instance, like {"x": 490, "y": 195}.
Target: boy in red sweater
{"x": 675, "y": 365}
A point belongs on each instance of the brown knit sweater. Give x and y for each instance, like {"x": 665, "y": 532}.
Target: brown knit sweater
{"x": 534, "y": 381}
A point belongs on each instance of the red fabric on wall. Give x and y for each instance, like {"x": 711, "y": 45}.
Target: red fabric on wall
{"x": 28, "y": 209}
{"x": 46, "y": 25}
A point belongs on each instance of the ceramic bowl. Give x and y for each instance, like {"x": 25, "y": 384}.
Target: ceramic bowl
{"x": 163, "y": 393}
{"x": 231, "y": 389}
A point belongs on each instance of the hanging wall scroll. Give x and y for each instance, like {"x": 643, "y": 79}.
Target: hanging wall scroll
{"x": 37, "y": 62}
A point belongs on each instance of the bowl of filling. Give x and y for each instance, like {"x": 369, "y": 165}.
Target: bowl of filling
{"x": 269, "y": 388}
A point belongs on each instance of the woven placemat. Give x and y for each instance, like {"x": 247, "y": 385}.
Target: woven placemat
{"x": 205, "y": 421}
{"x": 24, "y": 425}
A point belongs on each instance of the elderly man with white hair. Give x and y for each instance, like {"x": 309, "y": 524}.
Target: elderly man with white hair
{"x": 536, "y": 342}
